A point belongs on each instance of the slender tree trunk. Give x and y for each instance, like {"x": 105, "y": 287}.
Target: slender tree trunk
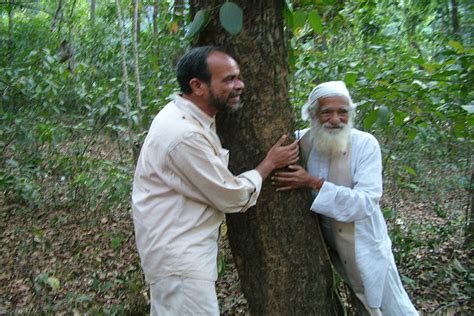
{"x": 57, "y": 19}
{"x": 454, "y": 18}
{"x": 123, "y": 58}
{"x": 136, "y": 30}
{"x": 277, "y": 246}
{"x": 10, "y": 29}
{"x": 469, "y": 238}
{"x": 93, "y": 4}
{"x": 155, "y": 17}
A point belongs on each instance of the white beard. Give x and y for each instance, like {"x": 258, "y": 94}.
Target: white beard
{"x": 331, "y": 142}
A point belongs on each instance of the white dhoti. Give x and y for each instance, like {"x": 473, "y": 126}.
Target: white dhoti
{"x": 340, "y": 236}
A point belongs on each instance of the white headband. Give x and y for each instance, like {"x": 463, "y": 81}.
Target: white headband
{"x": 325, "y": 89}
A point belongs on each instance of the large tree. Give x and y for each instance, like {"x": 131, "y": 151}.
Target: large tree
{"x": 277, "y": 246}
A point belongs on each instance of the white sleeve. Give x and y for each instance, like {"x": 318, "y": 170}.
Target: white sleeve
{"x": 207, "y": 179}
{"x": 350, "y": 204}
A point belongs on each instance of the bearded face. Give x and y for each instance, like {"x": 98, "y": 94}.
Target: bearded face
{"x": 331, "y": 140}
{"x": 331, "y": 125}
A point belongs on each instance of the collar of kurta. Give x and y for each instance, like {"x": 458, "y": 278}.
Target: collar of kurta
{"x": 195, "y": 112}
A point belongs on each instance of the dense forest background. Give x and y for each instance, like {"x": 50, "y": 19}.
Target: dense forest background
{"x": 80, "y": 82}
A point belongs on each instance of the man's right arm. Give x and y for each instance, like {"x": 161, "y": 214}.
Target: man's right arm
{"x": 198, "y": 173}
{"x": 279, "y": 156}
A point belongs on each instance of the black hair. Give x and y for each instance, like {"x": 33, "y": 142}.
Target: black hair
{"x": 193, "y": 64}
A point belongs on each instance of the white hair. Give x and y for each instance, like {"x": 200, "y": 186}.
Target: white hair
{"x": 325, "y": 89}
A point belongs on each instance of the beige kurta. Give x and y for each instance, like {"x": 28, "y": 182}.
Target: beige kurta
{"x": 343, "y": 234}
{"x": 351, "y": 195}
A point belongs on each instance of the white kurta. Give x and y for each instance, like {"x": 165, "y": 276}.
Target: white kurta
{"x": 181, "y": 190}
{"x": 360, "y": 204}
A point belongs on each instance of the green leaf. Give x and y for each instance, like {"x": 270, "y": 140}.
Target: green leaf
{"x": 382, "y": 115}
{"x": 469, "y": 108}
{"x": 315, "y": 22}
{"x": 199, "y": 23}
{"x": 459, "y": 267}
{"x": 410, "y": 170}
{"x": 457, "y": 45}
{"x": 54, "y": 283}
{"x": 288, "y": 14}
{"x": 350, "y": 78}
{"x": 370, "y": 119}
{"x": 299, "y": 19}
{"x": 231, "y": 17}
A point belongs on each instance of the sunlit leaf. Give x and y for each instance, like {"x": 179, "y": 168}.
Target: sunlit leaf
{"x": 315, "y": 22}
{"x": 288, "y": 14}
{"x": 53, "y": 282}
{"x": 410, "y": 170}
{"x": 231, "y": 17}
{"x": 174, "y": 27}
{"x": 299, "y": 19}
{"x": 457, "y": 45}
{"x": 469, "y": 108}
{"x": 223, "y": 231}
{"x": 350, "y": 78}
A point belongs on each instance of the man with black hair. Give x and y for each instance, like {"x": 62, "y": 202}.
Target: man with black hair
{"x": 182, "y": 187}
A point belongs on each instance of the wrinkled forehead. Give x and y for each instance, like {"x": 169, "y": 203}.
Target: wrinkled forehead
{"x": 336, "y": 102}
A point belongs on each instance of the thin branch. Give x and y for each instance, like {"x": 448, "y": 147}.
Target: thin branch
{"x": 125, "y": 76}
{"x": 136, "y": 61}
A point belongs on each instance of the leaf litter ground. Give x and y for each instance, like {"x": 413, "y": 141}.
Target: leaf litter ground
{"x": 63, "y": 261}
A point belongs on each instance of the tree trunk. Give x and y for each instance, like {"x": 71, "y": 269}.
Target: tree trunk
{"x": 136, "y": 31}
{"x": 93, "y": 3}
{"x": 57, "y": 19}
{"x": 455, "y": 18}
{"x": 126, "y": 99}
{"x": 10, "y": 29}
{"x": 469, "y": 236}
{"x": 277, "y": 246}
{"x": 155, "y": 17}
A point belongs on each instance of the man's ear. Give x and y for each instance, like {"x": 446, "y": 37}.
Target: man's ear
{"x": 198, "y": 87}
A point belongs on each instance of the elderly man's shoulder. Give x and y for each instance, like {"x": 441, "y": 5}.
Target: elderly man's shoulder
{"x": 364, "y": 137}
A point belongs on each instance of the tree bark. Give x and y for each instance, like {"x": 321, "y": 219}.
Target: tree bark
{"x": 454, "y": 18}
{"x": 57, "y": 19}
{"x": 10, "y": 29}
{"x": 469, "y": 236}
{"x": 155, "y": 17}
{"x": 136, "y": 31}
{"x": 277, "y": 246}
{"x": 93, "y": 5}
{"x": 127, "y": 103}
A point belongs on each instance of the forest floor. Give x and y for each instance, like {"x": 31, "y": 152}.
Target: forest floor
{"x": 56, "y": 260}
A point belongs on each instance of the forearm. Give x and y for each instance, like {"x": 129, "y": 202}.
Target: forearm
{"x": 315, "y": 183}
{"x": 265, "y": 168}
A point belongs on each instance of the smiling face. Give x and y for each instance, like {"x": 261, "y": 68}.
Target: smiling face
{"x": 331, "y": 125}
{"x": 226, "y": 85}
{"x": 333, "y": 113}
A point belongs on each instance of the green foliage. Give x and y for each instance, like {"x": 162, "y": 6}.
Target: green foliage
{"x": 64, "y": 130}
{"x": 230, "y": 17}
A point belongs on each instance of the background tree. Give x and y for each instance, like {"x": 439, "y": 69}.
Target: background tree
{"x": 65, "y": 169}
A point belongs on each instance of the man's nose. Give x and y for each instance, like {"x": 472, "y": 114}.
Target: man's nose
{"x": 335, "y": 119}
{"x": 239, "y": 84}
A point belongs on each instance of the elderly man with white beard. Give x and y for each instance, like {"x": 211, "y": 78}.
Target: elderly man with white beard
{"x": 343, "y": 168}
